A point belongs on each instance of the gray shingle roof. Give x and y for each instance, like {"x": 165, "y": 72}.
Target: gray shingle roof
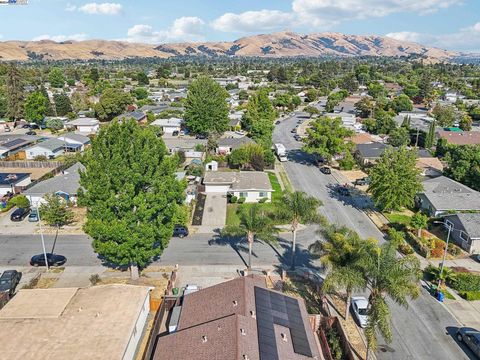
{"x": 50, "y": 144}
{"x": 371, "y": 151}
{"x": 447, "y": 194}
{"x": 234, "y": 143}
{"x": 68, "y": 182}
{"x": 77, "y": 137}
{"x": 470, "y": 222}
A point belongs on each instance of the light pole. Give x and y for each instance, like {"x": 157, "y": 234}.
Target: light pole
{"x": 450, "y": 228}
{"x": 41, "y": 234}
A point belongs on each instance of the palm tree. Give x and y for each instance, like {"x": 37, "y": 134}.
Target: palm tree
{"x": 297, "y": 208}
{"x": 341, "y": 253}
{"x": 392, "y": 277}
{"x": 254, "y": 225}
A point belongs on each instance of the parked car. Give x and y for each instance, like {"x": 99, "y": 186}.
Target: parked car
{"x": 33, "y": 217}
{"x": 175, "y": 133}
{"x": 476, "y": 257}
{"x": 31, "y": 132}
{"x": 200, "y": 136}
{"x": 359, "y": 308}
{"x": 294, "y": 131}
{"x": 53, "y": 260}
{"x": 9, "y": 281}
{"x": 34, "y": 127}
{"x": 325, "y": 170}
{"x": 19, "y": 214}
{"x": 7, "y": 129}
{"x": 297, "y": 137}
{"x": 471, "y": 338}
{"x": 180, "y": 231}
{"x": 26, "y": 126}
{"x": 362, "y": 181}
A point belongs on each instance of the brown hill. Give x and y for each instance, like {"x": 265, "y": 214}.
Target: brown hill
{"x": 283, "y": 44}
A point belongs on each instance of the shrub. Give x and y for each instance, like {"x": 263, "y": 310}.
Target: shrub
{"x": 233, "y": 199}
{"x": 467, "y": 282}
{"x": 40, "y": 158}
{"x": 470, "y": 295}
{"x": 418, "y": 245}
{"x": 453, "y": 249}
{"x": 94, "y": 279}
{"x": 334, "y": 344}
{"x": 241, "y": 200}
{"x": 20, "y": 201}
{"x": 262, "y": 200}
{"x": 405, "y": 249}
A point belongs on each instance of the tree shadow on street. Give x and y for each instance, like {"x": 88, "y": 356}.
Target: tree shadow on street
{"x": 301, "y": 157}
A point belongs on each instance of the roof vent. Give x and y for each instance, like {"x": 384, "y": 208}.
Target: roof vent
{"x": 204, "y": 339}
{"x": 235, "y": 302}
{"x": 245, "y": 357}
{"x": 284, "y": 337}
{"x": 243, "y": 332}
{"x": 219, "y": 328}
{"x": 252, "y": 314}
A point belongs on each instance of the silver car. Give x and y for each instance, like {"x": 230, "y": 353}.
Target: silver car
{"x": 471, "y": 338}
{"x": 360, "y": 310}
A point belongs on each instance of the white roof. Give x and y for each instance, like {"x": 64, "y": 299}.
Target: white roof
{"x": 84, "y": 122}
{"x": 172, "y": 122}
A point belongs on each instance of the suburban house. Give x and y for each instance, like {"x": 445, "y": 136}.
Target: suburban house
{"x": 85, "y": 125}
{"x": 348, "y": 119}
{"x": 460, "y": 137}
{"x": 64, "y": 185}
{"x": 183, "y": 144}
{"x": 369, "y": 153}
{"x": 97, "y": 322}
{"x": 74, "y": 142}
{"x": 429, "y": 165}
{"x": 50, "y": 148}
{"x": 13, "y": 182}
{"x": 251, "y": 185}
{"x": 138, "y": 116}
{"x": 465, "y": 230}
{"x": 239, "y": 319}
{"x": 226, "y": 145}
{"x": 12, "y": 147}
{"x": 441, "y": 195}
{"x": 168, "y": 126}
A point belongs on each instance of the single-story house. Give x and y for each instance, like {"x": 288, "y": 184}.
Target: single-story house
{"x": 183, "y": 144}
{"x": 12, "y": 147}
{"x": 168, "y": 126}
{"x": 348, "y": 119}
{"x": 65, "y": 185}
{"x": 226, "y": 145}
{"x": 369, "y": 153}
{"x": 460, "y": 137}
{"x": 441, "y": 195}
{"x": 429, "y": 165}
{"x": 138, "y": 116}
{"x": 85, "y": 125}
{"x": 74, "y": 142}
{"x": 13, "y": 182}
{"x": 251, "y": 185}
{"x": 465, "y": 230}
{"x": 50, "y": 148}
{"x": 235, "y": 122}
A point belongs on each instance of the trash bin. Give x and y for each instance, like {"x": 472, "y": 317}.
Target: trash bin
{"x": 440, "y": 296}
{"x": 175, "y": 291}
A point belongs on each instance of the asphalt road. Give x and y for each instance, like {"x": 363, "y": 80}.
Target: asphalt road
{"x": 424, "y": 330}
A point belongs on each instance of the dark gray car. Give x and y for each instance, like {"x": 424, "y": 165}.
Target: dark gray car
{"x": 9, "y": 281}
{"x": 471, "y": 338}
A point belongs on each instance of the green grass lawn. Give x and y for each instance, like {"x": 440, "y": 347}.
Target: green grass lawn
{"x": 398, "y": 218}
{"x": 277, "y": 193}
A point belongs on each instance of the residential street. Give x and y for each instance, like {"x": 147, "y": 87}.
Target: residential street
{"x": 425, "y": 329}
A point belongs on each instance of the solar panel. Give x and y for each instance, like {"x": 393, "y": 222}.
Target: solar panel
{"x": 274, "y": 308}
{"x": 13, "y": 143}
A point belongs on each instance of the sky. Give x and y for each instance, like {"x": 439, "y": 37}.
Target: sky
{"x": 447, "y": 24}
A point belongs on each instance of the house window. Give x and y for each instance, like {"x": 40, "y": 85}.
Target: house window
{"x": 464, "y": 236}
{"x": 263, "y": 194}
{"x": 244, "y": 194}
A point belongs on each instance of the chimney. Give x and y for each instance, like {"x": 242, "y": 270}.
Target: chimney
{"x": 243, "y": 332}
{"x": 204, "y": 339}
{"x": 235, "y": 303}
{"x": 284, "y": 337}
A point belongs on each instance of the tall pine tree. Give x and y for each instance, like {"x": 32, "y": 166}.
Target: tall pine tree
{"x": 430, "y": 139}
{"x": 14, "y": 92}
{"x": 259, "y": 117}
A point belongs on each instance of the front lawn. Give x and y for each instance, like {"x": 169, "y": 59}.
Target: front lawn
{"x": 397, "y": 218}
{"x": 233, "y": 209}
{"x": 277, "y": 189}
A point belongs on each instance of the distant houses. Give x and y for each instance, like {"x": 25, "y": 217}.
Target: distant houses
{"x": 85, "y": 125}
{"x": 50, "y": 149}
{"x": 13, "y": 182}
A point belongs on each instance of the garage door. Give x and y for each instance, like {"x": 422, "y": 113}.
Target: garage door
{"x": 217, "y": 188}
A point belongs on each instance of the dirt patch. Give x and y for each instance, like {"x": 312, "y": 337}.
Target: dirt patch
{"x": 76, "y": 227}
{"x": 353, "y": 175}
{"x": 158, "y": 283}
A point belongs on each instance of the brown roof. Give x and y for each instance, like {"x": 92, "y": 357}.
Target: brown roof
{"x": 223, "y": 322}
{"x": 361, "y": 138}
{"x": 428, "y": 163}
{"x": 460, "y": 138}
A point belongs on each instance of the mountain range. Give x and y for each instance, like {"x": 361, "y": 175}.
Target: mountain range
{"x": 282, "y": 44}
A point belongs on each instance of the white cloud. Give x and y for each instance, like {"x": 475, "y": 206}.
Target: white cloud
{"x": 60, "y": 38}
{"x": 466, "y": 39}
{"x": 183, "y": 29}
{"x": 252, "y": 21}
{"x": 97, "y": 8}
{"x": 323, "y": 14}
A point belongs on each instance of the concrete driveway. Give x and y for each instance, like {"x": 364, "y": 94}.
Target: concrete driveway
{"x": 10, "y": 227}
{"x": 214, "y": 213}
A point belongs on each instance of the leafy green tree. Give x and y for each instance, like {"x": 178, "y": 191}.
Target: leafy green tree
{"x": 62, "y": 104}
{"x": 419, "y": 221}
{"x": 14, "y": 92}
{"x": 54, "y": 124}
{"x": 365, "y": 107}
{"x": 376, "y": 90}
{"x": 385, "y": 123}
{"x": 55, "y": 211}
{"x": 140, "y": 93}
{"x": 402, "y": 103}
{"x": 50, "y": 109}
{"x": 395, "y": 180}
{"x": 445, "y": 115}
{"x": 164, "y": 71}
{"x": 36, "y": 107}
{"x": 243, "y": 95}
{"x": 466, "y": 122}
{"x": 311, "y": 110}
{"x": 113, "y": 102}
{"x": 399, "y": 137}
{"x": 142, "y": 78}
{"x": 430, "y": 139}
{"x": 248, "y": 156}
{"x": 327, "y": 137}
{"x": 56, "y": 78}
{"x": 389, "y": 277}
{"x": 3, "y": 102}
{"x": 254, "y": 225}
{"x": 347, "y": 162}
{"x": 407, "y": 121}
{"x": 463, "y": 164}
{"x": 79, "y": 102}
{"x": 131, "y": 194}
{"x": 94, "y": 75}
{"x": 206, "y": 110}
{"x": 342, "y": 251}
{"x": 311, "y": 95}
{"x": 298, "y": 208}
{"x": 259, "y": 117}
{"x": 411, "y": 90}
